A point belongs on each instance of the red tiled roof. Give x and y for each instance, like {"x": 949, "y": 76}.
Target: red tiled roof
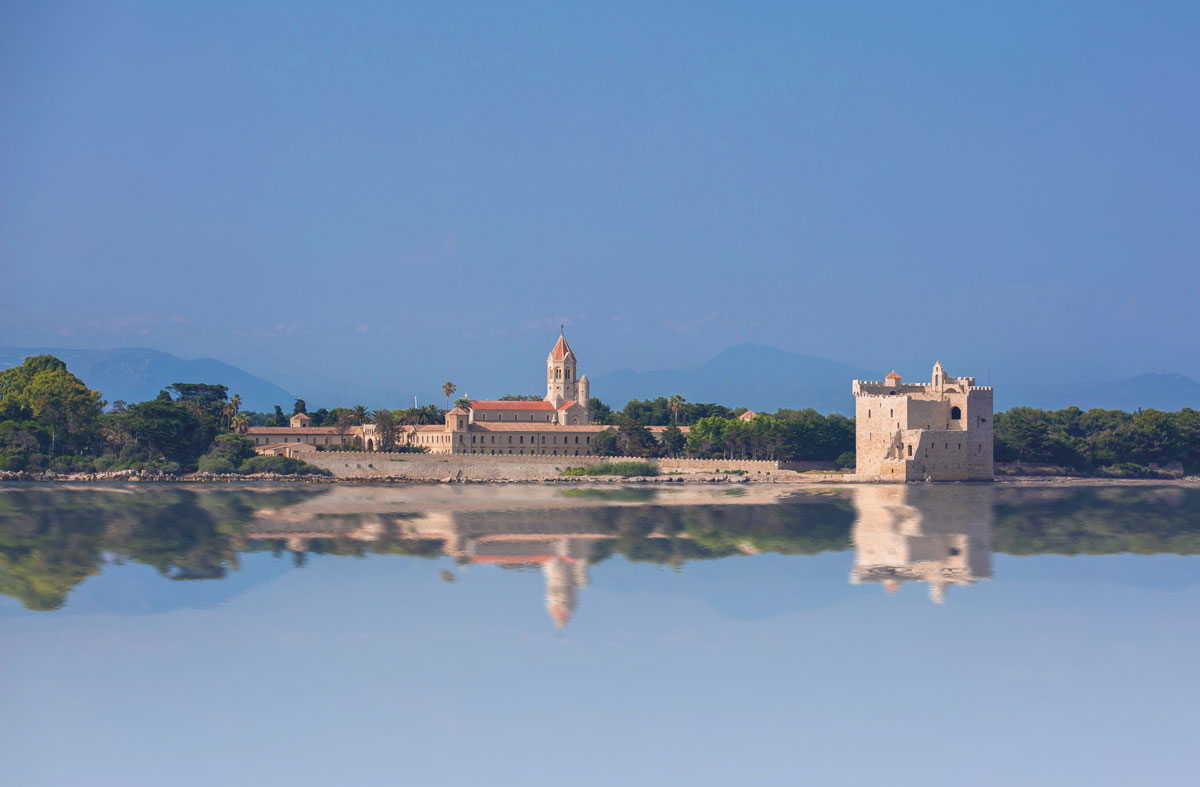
{"x": 291, "y": 430}
{"x": 502, "y": 559}
{"x": 892, "y": 376}
{"x": 567, "y": 404}
{"x": 548, "y": 427}
{"x": 561, "y": 349}
{"x": 492, "y": 404}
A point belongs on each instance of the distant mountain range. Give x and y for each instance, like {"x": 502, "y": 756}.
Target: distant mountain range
{"x": 1145, "y": 391}
{"x": 766, "y": 379}
{"x": 137, "y": 374}
{"x": 750, "y": 375}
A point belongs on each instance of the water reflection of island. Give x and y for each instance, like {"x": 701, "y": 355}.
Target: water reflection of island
{"x": 53, "y": 539}
{"x": 942, "y": 536}
{"x": 900, "y": 533}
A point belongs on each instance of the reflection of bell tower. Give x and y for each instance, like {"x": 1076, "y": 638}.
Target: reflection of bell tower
{"x": 940, "y": 535}
{"x": 565, "y": 572}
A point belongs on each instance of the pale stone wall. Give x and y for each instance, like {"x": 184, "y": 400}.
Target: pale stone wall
{"x": 435, "y": 467}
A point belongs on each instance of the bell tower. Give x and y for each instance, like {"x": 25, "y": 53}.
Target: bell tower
{"x": 561, "y": 383}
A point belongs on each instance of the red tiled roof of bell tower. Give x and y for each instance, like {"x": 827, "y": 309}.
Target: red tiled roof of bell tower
{"x": 893, "y": 376}
{"x": 561, "y": 349}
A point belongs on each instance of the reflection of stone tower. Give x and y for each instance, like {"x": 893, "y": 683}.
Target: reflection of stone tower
{"x": 940, "y": 535}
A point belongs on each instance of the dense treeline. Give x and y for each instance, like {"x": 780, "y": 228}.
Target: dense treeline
{"x": 720, "y": 432}
{"x": 1092, "y": 441}
{"x": 49, "y": 420}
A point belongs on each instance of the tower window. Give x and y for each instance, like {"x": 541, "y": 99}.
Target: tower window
{"x": 955, "y": 414}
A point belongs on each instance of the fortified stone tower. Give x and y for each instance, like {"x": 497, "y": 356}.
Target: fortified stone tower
{"x": 937, "y": 431}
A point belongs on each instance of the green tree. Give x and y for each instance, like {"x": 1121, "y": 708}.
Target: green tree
{"x": 385, "y": 429}
{"x": 226, "y": 454}
{"x": 675, "y": 405}
{"x": 605, "y": 444}
{"x": 300, "y": 406}
{"x": 448, "y": 388}
{"x": 201, "y": 398}
{"x": 43, "y": 391}
{"x": 601, "y": 413}
{"x": 463, "y": 404}
{"x": 360, "y": 415}
{"x": 633, "y": 439}
{"x": 166, "y": 430}
{"x": 673, "y": 440}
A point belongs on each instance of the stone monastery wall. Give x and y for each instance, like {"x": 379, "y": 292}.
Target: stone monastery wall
{"x": 438, "y": 467}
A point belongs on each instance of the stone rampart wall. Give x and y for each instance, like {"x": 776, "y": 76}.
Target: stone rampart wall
{"x": 437, "y": 467}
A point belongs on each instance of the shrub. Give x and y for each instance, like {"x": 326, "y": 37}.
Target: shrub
{"x": 14, "y": 460}
{"x": 216, "y": 463}
{"x": 282, "y": 465}
{"x": 627, "y": 469}
{"x": 847, "y": 461}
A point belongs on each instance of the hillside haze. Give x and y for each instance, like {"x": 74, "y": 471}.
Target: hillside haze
{"x": 746, "y": 375}
{"x": 136, "y": 374}
{"x": 767, "y": 379}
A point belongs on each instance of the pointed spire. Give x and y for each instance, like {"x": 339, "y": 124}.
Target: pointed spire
{"x": 561, "y": 348}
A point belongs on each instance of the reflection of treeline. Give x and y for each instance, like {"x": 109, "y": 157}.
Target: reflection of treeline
{"x": 50, "y": 540}
{"x": 713, "y": 531}
{"x": 1099, "y": 521}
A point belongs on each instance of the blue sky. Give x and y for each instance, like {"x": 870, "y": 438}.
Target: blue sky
{"x": 427, "y": 191}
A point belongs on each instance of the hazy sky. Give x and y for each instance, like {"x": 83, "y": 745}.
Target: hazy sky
{"x": 427, "y": 191}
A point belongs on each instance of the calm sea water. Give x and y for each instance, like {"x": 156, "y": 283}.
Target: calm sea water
{"x": 540, "y": 635}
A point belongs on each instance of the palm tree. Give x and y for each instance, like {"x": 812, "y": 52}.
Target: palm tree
{"x": 463, "y": 403}
{"x": 360, "y": 414}
{"x": 448, "y": 388}
{"x": 675, "y": 404}
{"x": 231, "y": 408}
{"x": 240, "y": 423}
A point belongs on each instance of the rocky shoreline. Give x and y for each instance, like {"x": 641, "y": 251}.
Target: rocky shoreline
{"x": 143, "y": 476}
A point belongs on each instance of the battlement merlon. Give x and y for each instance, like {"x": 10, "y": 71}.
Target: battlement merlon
{"x": 951, "y": 385}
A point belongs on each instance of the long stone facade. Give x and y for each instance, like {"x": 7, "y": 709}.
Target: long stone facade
{"x": 936, "y": 431}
